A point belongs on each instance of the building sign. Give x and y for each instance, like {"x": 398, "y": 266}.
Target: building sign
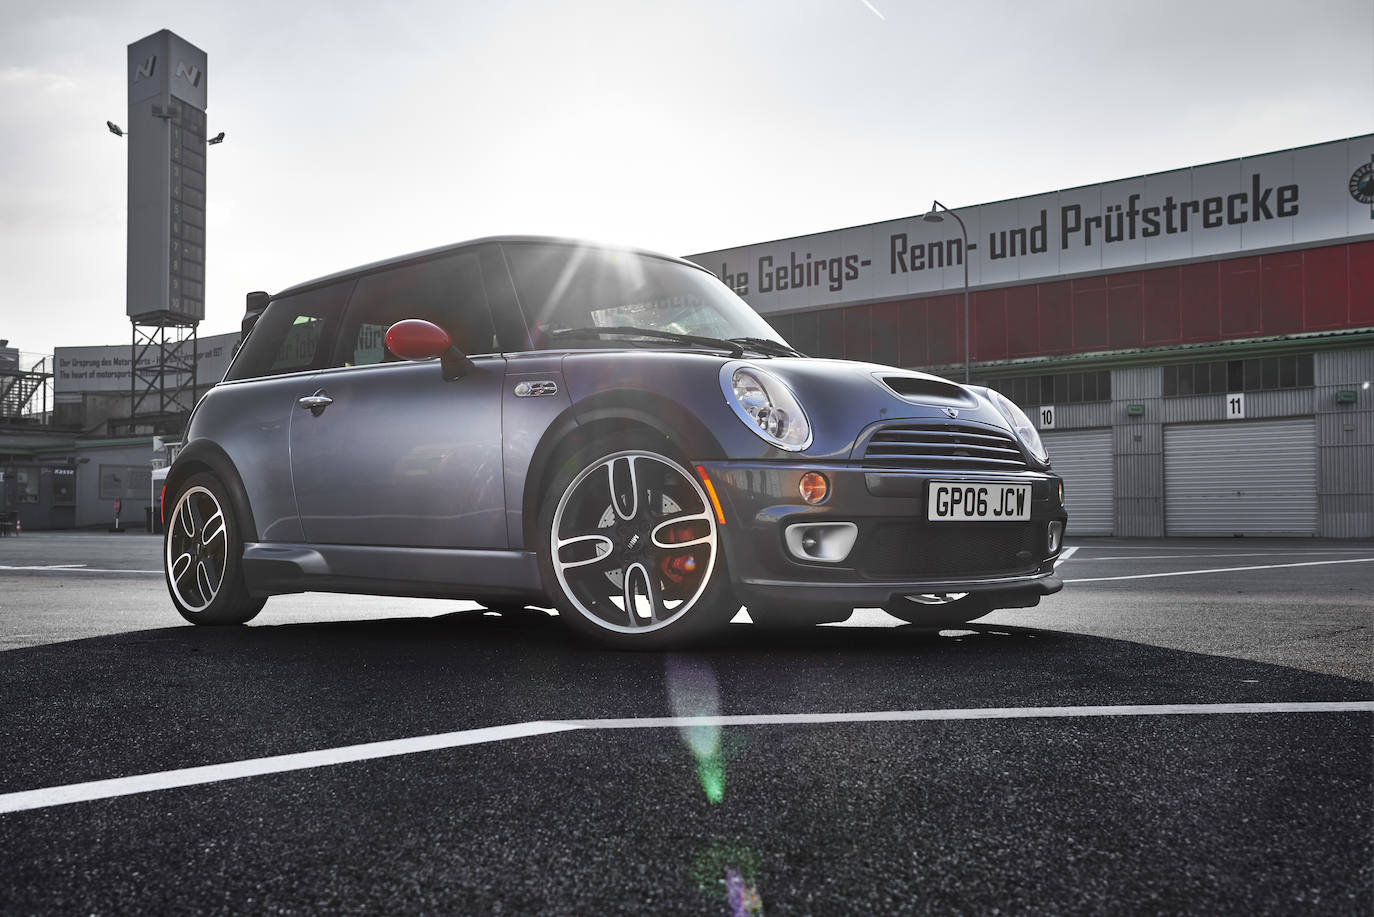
{"x": 126, "y": 482}
{"x": 106, "y": 368}
{"x": 167, "y": 143}
{"x": 1309, "y": 195}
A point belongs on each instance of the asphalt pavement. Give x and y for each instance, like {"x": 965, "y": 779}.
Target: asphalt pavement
{"x": 1187, "y": 728}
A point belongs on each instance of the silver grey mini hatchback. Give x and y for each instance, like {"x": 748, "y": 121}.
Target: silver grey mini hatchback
{"x": 607, "y": 432}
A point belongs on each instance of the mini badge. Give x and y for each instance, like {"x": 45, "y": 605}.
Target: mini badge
{"x": 951, "y": 413}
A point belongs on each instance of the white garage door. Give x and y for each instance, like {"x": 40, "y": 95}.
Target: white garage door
{"x": 1241, "y": 478}
{"x": 1084, "y": 458}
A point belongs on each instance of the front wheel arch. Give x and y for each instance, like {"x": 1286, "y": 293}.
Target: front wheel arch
{"x": 610, "y": 417}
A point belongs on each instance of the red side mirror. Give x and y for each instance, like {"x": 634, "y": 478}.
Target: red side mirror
{"x": 416, "y": 339}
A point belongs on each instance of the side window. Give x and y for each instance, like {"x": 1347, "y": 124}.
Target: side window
{"x": 446, "y": 291}
{"x": 294, "y": 334}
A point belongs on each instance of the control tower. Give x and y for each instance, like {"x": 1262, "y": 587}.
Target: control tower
{"x": 165, "y": 295}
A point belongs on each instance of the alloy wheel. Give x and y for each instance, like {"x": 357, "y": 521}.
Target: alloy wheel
{"x": 633, "y": 542}
{"x": 197, "y": 549}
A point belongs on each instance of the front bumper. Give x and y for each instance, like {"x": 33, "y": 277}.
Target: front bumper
{"x": 897, "y": 552}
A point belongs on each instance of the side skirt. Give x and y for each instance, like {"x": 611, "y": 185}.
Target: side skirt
{"x": 275, "y": 569}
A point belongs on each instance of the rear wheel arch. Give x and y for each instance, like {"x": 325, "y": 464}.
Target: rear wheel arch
{"x": 203, "y": 456}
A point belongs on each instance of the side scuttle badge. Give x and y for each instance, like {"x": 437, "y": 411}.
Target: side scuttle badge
{"x": 536, "y": 389}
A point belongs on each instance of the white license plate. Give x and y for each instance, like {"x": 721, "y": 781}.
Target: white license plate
{"x": 948, "y": 501}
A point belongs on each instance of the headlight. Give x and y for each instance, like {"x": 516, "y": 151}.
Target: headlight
{"x": 1025, "y": 430}
{"x": 766, "y": 405}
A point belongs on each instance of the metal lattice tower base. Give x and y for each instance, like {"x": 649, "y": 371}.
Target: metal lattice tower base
{"x": 162, "y": 379}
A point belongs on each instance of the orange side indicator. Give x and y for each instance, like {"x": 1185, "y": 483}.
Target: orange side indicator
{"x": 711, "y": 492}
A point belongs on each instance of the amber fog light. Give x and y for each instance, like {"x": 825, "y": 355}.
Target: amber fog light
{"x": 1056, "y": 535}
{"x": 814, "y": 487}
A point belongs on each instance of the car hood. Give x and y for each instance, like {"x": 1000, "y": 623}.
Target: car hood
{"x": 843, "y": 399}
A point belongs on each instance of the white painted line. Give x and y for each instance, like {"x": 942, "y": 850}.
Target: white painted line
{"x": 68, "y": 568}
{"x": 1310, "y": 563}
{"x": 974, "y": 713}
{"x": 277, "y": 764}
{"x": 255, "y": 767}
{"x": 1068, "y": 552}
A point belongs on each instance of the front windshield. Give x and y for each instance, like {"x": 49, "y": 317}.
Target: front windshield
{"x": 564, "y": 286}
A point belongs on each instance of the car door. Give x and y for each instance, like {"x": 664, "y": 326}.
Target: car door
{"x": 252, "y": 410}
{"x": 389, "y": 453}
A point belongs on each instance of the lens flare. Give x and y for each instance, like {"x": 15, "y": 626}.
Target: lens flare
{"x": 730, "y": 867}
{"x": 694, "y": 694}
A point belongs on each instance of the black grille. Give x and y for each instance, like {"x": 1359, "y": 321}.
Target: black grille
{"x": 919, "y": 550}
{"x": 943, "y": 447}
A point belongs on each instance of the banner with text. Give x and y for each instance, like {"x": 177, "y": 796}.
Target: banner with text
{"x": 1310, "y": 195}
{"x": 106, "y": 368}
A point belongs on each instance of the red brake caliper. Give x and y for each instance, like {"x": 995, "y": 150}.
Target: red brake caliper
{"x": 677, "y": 568}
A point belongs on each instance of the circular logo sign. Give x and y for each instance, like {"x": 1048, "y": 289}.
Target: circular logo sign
{"x": 1362, "y": 184}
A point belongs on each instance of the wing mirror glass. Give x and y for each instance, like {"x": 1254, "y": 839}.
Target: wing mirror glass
{"x": 416, "y": 339}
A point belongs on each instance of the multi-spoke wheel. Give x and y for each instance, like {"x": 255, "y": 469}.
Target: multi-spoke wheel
{"x": 202, "y": 556}
{"x": 939, "y": 609}
{"x": 631, "y": 551}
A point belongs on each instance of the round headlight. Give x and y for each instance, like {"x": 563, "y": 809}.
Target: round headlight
{"x": 767, "y": 405}
{"x": 1025, "y": 430}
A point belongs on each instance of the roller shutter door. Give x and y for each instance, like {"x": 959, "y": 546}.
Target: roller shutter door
{"x": 1241, "y": 478}
{"x": 1084, "y": 459}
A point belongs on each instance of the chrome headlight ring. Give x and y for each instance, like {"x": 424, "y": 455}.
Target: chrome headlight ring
{"x": 766, "y": 405}
{"x": 1021, "y": 425}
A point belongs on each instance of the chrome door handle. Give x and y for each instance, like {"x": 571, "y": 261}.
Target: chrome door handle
{"x": 316, "y": 403}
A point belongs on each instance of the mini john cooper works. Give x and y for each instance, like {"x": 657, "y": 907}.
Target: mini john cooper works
{"x": 611, "y": 433}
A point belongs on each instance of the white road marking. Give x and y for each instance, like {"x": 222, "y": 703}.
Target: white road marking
{"x": 1068, "y": 552}
{"x": 1310, "y": 563}
{"x": 72, "y": 568}
{"x": 277, "y": 764}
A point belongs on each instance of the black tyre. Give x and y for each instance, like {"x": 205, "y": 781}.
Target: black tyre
{"x": 202, "y": 556}
{"x": 629, "y": 548}
{"x": 939, "y": 610}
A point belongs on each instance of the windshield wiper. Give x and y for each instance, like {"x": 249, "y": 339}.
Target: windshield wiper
{"x": 627, "y": 331}
{"x": 771, "y": 348}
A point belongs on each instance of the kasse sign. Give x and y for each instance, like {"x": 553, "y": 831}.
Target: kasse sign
{"x": 1309, "y": 195}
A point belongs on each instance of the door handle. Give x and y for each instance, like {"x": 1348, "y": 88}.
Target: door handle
{"x": 316, "y": 403}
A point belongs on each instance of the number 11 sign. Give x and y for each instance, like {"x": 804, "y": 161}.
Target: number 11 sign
{"x": 1235, "y": 406}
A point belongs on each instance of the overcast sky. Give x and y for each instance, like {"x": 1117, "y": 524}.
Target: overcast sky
{"x": 357, "y": 131}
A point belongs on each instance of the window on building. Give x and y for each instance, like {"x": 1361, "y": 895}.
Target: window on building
{"x": 27, "y": 481}
{"x": 126, "y": 482}
{"x": 1258, "y": 374}
{"x": 1055, "y": 388}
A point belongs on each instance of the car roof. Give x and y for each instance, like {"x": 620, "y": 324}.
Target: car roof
{"x": 456, "y": 246}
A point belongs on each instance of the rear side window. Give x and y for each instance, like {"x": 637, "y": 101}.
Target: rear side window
{"x": 446, "y": 291}
{"x": 296, "y": 333}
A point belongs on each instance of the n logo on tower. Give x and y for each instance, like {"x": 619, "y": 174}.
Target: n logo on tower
{"x": 190, "y": 74}
{"x": 145, "y": 69}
